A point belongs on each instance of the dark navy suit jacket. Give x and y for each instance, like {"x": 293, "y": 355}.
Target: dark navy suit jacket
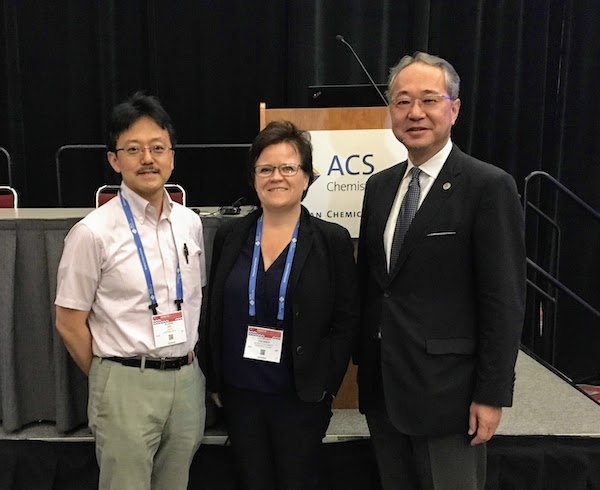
{"x": 451, "y": 312}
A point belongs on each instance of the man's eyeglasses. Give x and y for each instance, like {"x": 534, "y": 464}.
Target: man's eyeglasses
{"x": 429, "y": 100}
{"x": 285, "y": 169}
{"x": 134, "y": 150}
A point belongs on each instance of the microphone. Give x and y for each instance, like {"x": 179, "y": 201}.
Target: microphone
{"x": 234, "y": 208}
{"x": 343, "y": 41}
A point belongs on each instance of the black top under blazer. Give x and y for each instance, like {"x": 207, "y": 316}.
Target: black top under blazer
{"x": 325, "y": 305}
{"x": 451, "y": 312}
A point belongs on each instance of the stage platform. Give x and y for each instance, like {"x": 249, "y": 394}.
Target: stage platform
{"x": 544, "y": 405}
{"x": 549, "y": 439}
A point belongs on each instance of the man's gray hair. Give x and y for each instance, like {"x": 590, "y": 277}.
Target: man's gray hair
{"x": 452, "y": 78}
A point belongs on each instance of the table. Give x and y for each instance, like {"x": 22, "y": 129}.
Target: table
{"x": 38, "y": 379}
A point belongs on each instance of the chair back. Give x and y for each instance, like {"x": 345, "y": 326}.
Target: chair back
{"x": 177, "y": 193}
{"x": 8, "y": 197}
{"x": 106, "y": 192}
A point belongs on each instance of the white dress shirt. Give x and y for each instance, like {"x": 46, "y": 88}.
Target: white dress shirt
{"x": 100, "y": 272}
{"x": 429, "y": 172}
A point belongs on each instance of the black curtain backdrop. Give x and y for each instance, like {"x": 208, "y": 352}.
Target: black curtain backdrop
{"x": 530, "y": 71}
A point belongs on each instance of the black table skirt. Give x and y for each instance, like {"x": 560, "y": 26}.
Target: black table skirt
{"x": 38, "y": 379}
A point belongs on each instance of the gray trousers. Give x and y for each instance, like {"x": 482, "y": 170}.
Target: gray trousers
{"x": 415, "y": 462}
{"x": 147, "y": 424}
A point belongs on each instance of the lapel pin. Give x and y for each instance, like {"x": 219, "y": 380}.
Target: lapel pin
{"x": 446, "y": 186}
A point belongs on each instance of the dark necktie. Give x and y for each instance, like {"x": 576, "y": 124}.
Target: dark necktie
{"x": 408, "y": 209}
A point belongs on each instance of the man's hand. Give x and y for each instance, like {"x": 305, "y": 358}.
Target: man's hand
{"x": 216, "y": 397}
{"x": 483, "y": 422}
{"x": 72, "y": 327}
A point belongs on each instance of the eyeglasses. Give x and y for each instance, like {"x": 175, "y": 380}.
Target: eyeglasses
{"x": 134, "y": 150}
{"x": 285, "y": 169}
{"x": 427, "y": 101}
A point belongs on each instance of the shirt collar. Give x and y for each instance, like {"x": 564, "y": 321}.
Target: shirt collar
{"x": 141, "y": 208}
{"x": 433, "y": 166}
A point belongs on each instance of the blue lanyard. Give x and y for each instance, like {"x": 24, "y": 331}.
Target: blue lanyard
{"x": 144, "y": 261}
{"x": 284, "y": 278}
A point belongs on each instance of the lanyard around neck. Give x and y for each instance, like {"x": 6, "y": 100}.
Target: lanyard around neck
{"x": 144, "y": 261}
{"x": 284, "y": 278}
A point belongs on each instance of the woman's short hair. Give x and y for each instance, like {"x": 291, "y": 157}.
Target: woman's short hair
{"x": 283, "y": 132}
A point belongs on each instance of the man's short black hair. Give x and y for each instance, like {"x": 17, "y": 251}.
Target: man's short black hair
{"x": 128, "y": 112}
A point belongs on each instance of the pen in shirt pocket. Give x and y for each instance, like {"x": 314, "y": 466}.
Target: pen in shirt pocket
{"x": 186, "y": 253}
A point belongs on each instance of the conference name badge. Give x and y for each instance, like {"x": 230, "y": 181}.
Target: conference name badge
{"x": 169, "y": 329}
{"x": 263, "y": 344}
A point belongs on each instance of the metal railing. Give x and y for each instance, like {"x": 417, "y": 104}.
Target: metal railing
{"x": 8, "y": 165}
{"x": 58, "y": 164}
{"x": 551, "y": 278}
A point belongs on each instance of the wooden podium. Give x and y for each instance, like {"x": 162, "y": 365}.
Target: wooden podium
{"x": 330, "y": 119}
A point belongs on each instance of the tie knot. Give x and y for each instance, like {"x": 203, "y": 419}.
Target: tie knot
{"x": 414, "y": 181}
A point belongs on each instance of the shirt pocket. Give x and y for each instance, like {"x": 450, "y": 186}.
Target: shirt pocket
{"x": 192, "y": 267}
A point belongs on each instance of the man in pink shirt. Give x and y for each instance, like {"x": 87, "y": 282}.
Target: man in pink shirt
{"x": 129, "y": 291}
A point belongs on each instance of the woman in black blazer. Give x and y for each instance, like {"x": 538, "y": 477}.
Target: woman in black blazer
{"x": 282, "y": 316}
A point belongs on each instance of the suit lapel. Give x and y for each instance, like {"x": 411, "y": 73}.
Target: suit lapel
{"x": 384, "y": 200}
{"x": 234, "y": 242}
{"x": 440, "y": 192}
{"x": 303, "y": 246}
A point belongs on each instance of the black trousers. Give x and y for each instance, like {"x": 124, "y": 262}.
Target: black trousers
{"x": 425, "y": 462}
{"x": 276, "y": 439}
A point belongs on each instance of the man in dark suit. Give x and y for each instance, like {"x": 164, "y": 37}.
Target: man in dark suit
{"x": 442, "y": 268}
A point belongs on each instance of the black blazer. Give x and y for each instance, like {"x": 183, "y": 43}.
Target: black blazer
{"x": 451, "y": 312}
{"x": 325, "y": 305}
